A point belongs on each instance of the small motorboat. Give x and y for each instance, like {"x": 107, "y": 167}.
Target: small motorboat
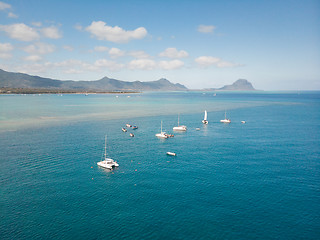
{"x": 171, "y": 153}
{"x": 243, "y": 121}
{"x": 198, "y": 129}
{"x": 128, "y": 125}
{"x": 134, "y": 127}
{"x": 131, "y": 135}
{"x": 124, "y": 130}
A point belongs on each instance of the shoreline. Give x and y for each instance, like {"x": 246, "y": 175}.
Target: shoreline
{"x": 55, "y": 91}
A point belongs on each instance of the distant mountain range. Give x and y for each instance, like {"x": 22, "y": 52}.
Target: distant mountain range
{"x": 10, "y": 80}
{"x": 25, "y": 81}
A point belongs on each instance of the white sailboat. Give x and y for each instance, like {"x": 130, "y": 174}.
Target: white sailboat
{"x": 225, "y": 120}
{"x": 205, "y": 121}
{"x": 180, "y": 128}
{"x": 162, "y": 134}
{"x": 107, "y": 162}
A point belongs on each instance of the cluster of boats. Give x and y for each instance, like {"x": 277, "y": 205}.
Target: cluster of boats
{"x": 110, "y": 163}
{"x": 129, "y": 126}
{"x": 163, "y": 134}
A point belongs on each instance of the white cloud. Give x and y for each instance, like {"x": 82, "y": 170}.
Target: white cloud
{"x": 174, "y": 53}
{"x": 37, "y": 24}
{"x": 142, "y": 64}
{"x": 206, "y": 28}
{"x": 4, "y": 6}
{"x": 51, "y": 32}
{"x": 78, "y": 27}
{"x": 12, "y": 15}
{"x": 116, "y": 52}
{"x": 115, "y": 34}
{"x": 139, "y": 54}
{"x": 5, "y": 55}
{"x": 101, "y": 49}
{"x": 39, "y": 48}
{"x": 110, "y": 65}
{"x": 206, "y": 61}
{"x": 20, "y": 31}
{"x": 170, "y": 65}
{"x": 33, "y": 58}
{"x": 32, "y": 68}
{"x": 6, "y": 47}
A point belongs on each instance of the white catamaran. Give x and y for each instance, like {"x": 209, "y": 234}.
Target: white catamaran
{"x": 162, "y": 134}
{"x": 205, "y": 121}
{"x": 180, "y": 128}
{"x": 225, "y": 120}
{"x": 107, "y": 162}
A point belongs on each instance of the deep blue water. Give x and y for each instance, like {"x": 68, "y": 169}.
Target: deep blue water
{"x": 259, "y": 180}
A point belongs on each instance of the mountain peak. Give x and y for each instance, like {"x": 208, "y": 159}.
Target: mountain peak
{"x": 239, "y": 85}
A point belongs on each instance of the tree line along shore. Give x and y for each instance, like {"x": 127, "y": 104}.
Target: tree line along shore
{"x": 54, "y": 91}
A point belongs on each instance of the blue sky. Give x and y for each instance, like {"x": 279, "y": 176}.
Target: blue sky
{"x": 201, "y": 44}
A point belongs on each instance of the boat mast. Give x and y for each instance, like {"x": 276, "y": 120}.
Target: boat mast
{"x": 105, "y": 146}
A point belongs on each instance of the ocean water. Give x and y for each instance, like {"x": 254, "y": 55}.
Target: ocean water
{"x": 258, "y": 180}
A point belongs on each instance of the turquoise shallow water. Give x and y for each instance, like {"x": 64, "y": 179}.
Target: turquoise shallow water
{"x": 258, "y": 180}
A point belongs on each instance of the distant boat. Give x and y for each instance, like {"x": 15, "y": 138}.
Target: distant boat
{"x": 124, "y": 130}
{"x": 180, "y": 128}
{"x": 243, "y": 121}
{"x": 108, "y": 163}
{"x": 205, "y": 121}
{"x": 198, "y": 129}
{"x": 134, "y": 127}
{"x": 131, "y": 135}
{"x": 171, "y": 153}
{"x": 225, "y": 120}
{"x": 128, "y": 125}
{"x": 162, "y": 134}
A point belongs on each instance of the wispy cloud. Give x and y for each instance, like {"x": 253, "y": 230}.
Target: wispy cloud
{"x": 5, "y": 50}
{"x": 51, "y": 32}
{"x": 116, "y": 52}
{"x": 142, "y": 64}
{"x": 101, "y": 49}
{"x": 12, "y": 15}
{"x": 116, "y": 34}
{"x": 174, "y": 53}
{"x": 39, "y": 48}
{"x": 139, "y": 54}
{"x": 207, "y": 61}
{"x": 4, "y": 6}
{"x": 68, "y": 48}
{"x": 33, "y": 58}
{"x": 206, "y": 28}
{"x": 170, "y": 65}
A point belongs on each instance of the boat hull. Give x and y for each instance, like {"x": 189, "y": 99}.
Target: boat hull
{"x": 180, "y": 128}
{"x": 225, "y": 121}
